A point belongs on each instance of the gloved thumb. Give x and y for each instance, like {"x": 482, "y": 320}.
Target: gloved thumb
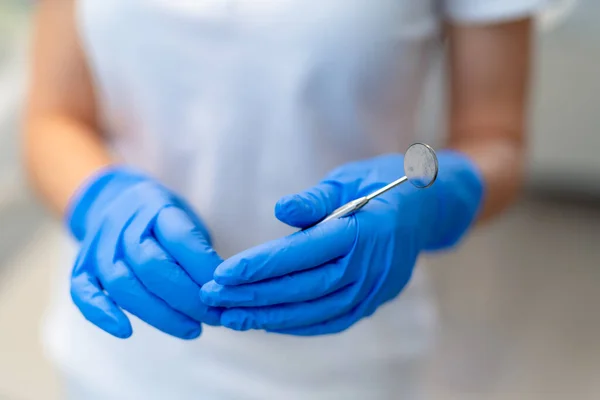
{"x": 306, "y": 208}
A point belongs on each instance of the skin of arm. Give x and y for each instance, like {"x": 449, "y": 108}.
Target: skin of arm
{"x": 62, "y": 145}
{"x": 488, "y": 74}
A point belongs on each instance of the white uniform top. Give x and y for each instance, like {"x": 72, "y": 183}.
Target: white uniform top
{"x": 234, "y": 103}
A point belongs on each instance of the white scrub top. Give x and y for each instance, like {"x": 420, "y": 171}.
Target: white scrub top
{"x": 233, "y": 104}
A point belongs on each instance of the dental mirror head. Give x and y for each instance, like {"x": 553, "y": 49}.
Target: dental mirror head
{"x": 420, "y": 165}
{"x": 420, "y": 168}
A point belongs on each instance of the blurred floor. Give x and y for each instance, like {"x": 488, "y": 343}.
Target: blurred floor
{"x": 518, "y": 303}
{"x": 519, "y": 308}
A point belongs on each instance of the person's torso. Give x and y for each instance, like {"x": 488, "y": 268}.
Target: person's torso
{"x": 233, "y": 104}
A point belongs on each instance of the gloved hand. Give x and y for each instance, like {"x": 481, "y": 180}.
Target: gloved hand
{"x": 324, "y": 279}
{"x": 143, "y": 250}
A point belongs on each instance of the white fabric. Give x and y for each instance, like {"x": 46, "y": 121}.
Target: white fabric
{"x": 485, "y": 11}
{"x": 234, "y": 103}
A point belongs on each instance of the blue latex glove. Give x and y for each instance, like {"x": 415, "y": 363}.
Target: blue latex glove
{"x": 326, "y": 278}
{"x": 142, "y": 250}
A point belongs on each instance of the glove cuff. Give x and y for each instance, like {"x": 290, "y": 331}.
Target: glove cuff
{"x": 95, "y": 193}
{"x": 459, "y": 191}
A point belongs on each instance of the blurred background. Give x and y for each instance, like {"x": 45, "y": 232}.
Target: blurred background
{"x": 518, "y": 301}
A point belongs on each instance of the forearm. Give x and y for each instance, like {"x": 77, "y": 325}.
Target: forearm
{"x": 61, "y": 144}
{"x": 501, "y": 163}
{"x": 60, "y": 153}
{"x": 488, "y": 70}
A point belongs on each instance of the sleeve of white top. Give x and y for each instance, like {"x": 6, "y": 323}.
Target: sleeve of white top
{"x": 490, "y": 11}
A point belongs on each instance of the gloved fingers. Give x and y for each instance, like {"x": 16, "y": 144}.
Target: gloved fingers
{"x": 309, "y": 207}
{"x": 94, "y": 304}
{"x": 182, "y": 204}
{"x": 293, "y": 315}
{"x": 295, "y": 287}
{"x": 336, "y": 325}
{"x": 184, "y": 240}
{"x": 365, "y": 308}
{"x": 297, "y": 252}
{"x": 124, "y": 287}
{"x": 160, "y": 274}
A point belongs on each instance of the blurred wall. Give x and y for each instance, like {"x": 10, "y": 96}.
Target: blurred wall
{"x": 566, "y": 108}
